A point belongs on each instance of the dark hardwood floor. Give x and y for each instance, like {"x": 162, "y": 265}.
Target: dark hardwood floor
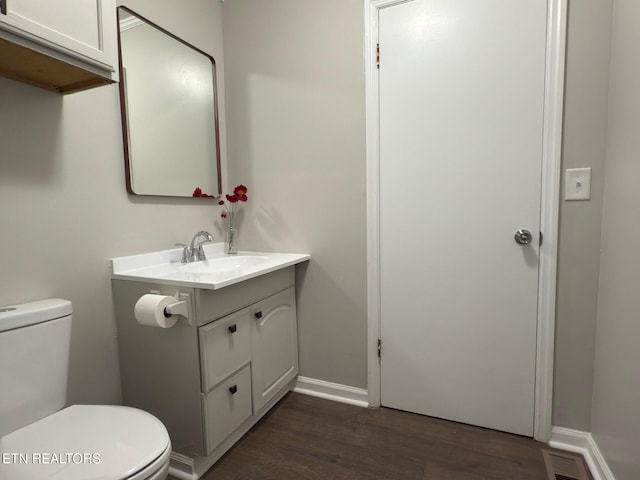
{"x": 309, "y": 438}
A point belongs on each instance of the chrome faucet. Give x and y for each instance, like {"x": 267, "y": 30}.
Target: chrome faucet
{"x": 195, "y": 252}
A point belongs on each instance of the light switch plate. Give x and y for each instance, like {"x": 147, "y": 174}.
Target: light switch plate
{"x": 577, "y": 184}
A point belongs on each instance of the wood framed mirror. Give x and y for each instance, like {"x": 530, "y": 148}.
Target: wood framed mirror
{"x": 169, "y": 107}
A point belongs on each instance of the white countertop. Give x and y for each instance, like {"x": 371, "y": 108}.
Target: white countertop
{"x": 218, "y": 271}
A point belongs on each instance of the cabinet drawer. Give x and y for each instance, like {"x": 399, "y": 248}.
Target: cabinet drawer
{"x": 212, "y": 304}
{"x": 226, "y": 408}
{"x": 225, "y": 346}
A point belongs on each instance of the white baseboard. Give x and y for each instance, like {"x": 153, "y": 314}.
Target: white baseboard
{"x": 332, "y": 391}
{"x": 180, "y": 475}
{"x": 179, "y": 464}
{"x": 583, "y": 443}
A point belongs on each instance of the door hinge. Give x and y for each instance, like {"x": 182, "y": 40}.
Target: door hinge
{"x": 541, "y": 239}
{"x": 377, "y": 55}
{"x": 379, "y": 347}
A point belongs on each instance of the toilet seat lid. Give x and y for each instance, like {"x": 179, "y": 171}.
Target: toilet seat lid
{"x": 84, "y": 442}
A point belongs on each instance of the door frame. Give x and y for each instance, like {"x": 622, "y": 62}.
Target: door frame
{"x": 549, "y": 206}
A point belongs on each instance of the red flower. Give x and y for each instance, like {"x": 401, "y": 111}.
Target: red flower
{"x": 199, "y": 193}
{"x": 240, "y": 193}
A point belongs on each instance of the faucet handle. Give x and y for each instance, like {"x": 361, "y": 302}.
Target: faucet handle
{"x": 186, "y": 252}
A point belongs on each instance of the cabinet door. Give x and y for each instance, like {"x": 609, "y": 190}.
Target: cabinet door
{"x": 274, "y": 343}
{"x": 83, "y": 29}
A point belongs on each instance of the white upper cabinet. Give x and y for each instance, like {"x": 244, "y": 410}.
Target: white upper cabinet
{"x": 66, "y": 45}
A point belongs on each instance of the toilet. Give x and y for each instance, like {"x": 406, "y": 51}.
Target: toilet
{"x": 39, "y": 438}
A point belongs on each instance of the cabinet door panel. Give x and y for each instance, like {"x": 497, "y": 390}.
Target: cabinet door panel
{"x": 274, "y": 339}
{"x": 225, "y": 346}
{"x": 84, "y": 29}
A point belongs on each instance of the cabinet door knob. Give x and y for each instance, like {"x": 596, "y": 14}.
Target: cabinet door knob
{"x": 258, "y": 314}
{"x": 233, "y": 328}
{"x": 233, "y": 389}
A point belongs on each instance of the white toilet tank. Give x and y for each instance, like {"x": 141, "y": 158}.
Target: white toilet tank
{"x": 34, "y": 361}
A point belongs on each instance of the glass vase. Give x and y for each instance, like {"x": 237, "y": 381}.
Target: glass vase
{"x": 232, "y": 238}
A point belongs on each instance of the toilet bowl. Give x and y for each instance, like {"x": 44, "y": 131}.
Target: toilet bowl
{"x": 41, "y": 440}
{"x": 82, "y": 442}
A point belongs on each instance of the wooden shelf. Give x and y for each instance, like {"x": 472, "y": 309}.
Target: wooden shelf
{"x": 28, "y": 66}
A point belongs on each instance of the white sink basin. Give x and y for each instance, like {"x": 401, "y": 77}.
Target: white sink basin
{"x": 236, "y": 263}
{"x": 217, "y": 271}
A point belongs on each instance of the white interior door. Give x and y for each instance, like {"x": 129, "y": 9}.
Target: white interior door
{"x": 461, "y": 117}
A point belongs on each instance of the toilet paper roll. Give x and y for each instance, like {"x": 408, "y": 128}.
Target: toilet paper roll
{"x": 149, "y": 311}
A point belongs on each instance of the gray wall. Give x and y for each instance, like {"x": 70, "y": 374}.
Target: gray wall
{"x": 296, "y": 121}
{"x": 584, "y": 145}
{"x": 64, "y": 209}
{"x": 616, "y": 393}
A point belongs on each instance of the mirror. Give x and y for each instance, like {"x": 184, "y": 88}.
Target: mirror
{"x": 169, "y": 111}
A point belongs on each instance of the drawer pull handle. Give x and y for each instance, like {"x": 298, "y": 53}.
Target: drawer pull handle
{"x": 233, "y": 328}
{"x": 258, "y": 314}
{"x": 233, "y": 389}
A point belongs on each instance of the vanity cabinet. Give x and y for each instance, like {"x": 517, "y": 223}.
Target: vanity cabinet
{"x": 211, "y": 377}
{"x": 259, "y": 342}
{"x": 65, "y": 46}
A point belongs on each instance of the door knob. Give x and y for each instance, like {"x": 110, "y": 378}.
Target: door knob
{"x": 523, "y": 237}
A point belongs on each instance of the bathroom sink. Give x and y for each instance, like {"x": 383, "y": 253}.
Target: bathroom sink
{"x": 217, "y": 271}
{"x": 225, "y": 264}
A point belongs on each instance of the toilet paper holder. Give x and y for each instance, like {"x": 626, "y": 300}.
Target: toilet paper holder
{"x": 181, "y": 308}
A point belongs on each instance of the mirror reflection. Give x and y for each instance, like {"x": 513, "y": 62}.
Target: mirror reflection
{"x": 169, "y": 111}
